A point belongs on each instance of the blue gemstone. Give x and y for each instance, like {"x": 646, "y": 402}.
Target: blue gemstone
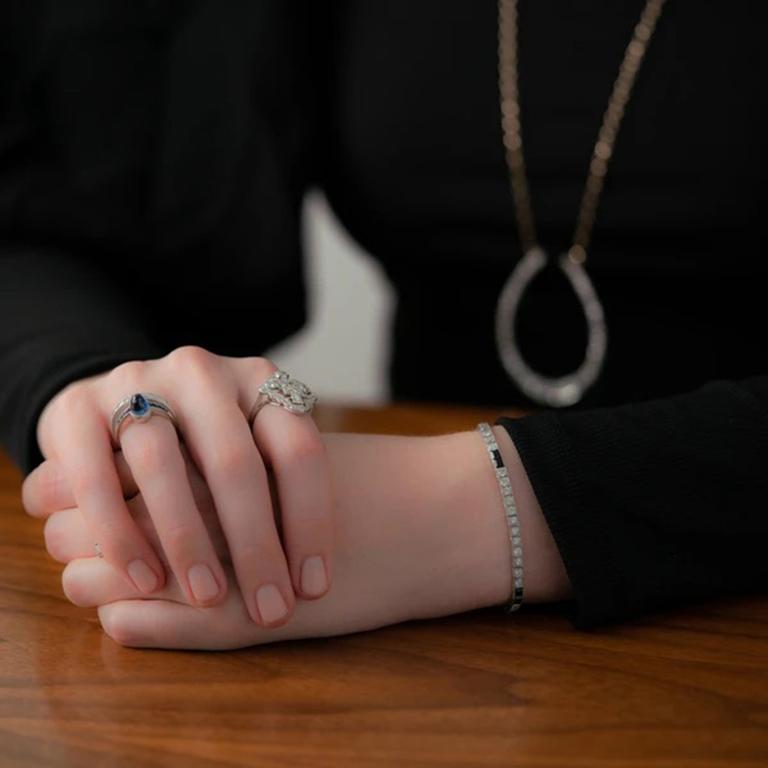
{"x": 139, "y": 405}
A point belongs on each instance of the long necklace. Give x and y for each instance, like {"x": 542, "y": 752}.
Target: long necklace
{"x": 568, "y": 389}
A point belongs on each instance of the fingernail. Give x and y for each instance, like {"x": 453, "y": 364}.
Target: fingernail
{"x": 202, "y": 583}
{"x": 143, "y": 576}
{"x": 272, "y": 607}
{"x": 313, "y": 577}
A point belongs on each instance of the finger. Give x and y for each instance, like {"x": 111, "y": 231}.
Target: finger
{"x": 96, "y": 488}
{"x": 295, "y": 451}
{"x": 154, "y": 456}
{"x": 196, "y": 480}
{"x": 90, "y": 582}
{"x": 67, "y": 537}
{"x": 222, "y": 446}
{"x": 47, "y": 488}
{"x": 165, "y": 624}
{"x": 156, "y": 624}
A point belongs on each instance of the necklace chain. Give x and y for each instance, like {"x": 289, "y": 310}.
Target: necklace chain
{"x": 606, "y": 139}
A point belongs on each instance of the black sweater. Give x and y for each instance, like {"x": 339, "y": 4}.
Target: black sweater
{"x": 153, "y": 161}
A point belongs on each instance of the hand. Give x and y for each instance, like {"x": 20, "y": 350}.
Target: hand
{"x": 90, "y": 581}
{"x": 421, "y": 533}
{"x": 211, "y": 396}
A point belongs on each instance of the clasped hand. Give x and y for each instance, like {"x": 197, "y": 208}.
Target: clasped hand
{"x": 419, "y": 534}
{"x": 414, "y": 525}
{"x": 192, "y": 537}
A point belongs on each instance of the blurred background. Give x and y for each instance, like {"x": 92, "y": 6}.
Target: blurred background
{"x": 343, "y": 351}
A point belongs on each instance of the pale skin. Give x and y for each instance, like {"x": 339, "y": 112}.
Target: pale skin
{"x": 212, "y": 395}
{"x": 419, "y": 533}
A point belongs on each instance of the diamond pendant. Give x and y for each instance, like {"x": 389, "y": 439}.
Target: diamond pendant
{"x": 564, "y": 390}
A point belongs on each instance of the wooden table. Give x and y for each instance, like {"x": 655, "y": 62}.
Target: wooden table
{"x": 687, "y": 688}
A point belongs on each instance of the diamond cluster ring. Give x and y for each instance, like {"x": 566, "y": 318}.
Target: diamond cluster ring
{"x": 283, "y": 390}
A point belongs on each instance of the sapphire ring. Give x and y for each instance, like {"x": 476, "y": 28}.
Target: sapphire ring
{"x": 140, "y": 406}
{"x": 283, "y": 390}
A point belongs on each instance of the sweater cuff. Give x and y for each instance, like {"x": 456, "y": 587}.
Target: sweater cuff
{"x": 553, "y": 469}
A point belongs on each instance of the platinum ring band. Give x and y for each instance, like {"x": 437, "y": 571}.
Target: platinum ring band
{"x": 140, "y": 406}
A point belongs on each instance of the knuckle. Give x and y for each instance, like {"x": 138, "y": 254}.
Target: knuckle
{"x": 300, "y": 448}
{"x": 262, "y": 562}
{"x": 129, "y": 374}
{"x": 197, "y": 365}
{"x": 307, "y": 533}
{"x": 192, "y": 360}
{"x": 259, "y": 367}
{"x": 75, "y": 398}
{"x": 255, "y": 555}
{"x": 177, "y": 537}
{"x": 229, "y": 460}
{"x": 72, "y": 403}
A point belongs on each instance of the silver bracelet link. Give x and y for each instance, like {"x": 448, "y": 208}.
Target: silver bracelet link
{"x": 510, "y": 510}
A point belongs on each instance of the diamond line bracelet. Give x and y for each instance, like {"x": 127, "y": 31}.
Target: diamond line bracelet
{"x": 510, "y": 511}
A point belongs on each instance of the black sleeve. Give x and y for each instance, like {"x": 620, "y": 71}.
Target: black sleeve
{"x": 153, "y": 161}
{"x": 654, "y": 504}
{"x": 59, "y": 321}
{"x": 61, "y": 317}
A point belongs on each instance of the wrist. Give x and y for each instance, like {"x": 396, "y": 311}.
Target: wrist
{"x": 412, "y": 538}
{"x": 465, "y": 502}
{"x": 545, "y": 576}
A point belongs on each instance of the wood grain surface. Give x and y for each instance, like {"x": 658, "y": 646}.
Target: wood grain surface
{"x": 686, "y": 688}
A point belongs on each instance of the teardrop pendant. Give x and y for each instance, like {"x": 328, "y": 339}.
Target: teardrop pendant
{"x": 564, "y": 390}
